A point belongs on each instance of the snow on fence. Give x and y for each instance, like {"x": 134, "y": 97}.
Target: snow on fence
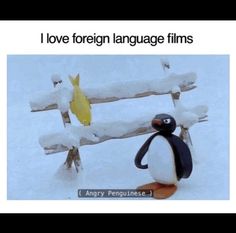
{"x": 72, "y": 137}
{"x": 117, "y": 91}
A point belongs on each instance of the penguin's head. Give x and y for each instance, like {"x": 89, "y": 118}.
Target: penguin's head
{"x": 164, "y": 123}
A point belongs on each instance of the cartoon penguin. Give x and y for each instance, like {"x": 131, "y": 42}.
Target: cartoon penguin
{"x": 168, "y": 158}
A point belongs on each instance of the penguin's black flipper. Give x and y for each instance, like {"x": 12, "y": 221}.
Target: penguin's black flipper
{"x": 183, "y": 158}
{"x": 142, "y": 151}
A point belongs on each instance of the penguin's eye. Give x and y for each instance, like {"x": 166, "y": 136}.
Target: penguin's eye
{"x": 166, "y": 121}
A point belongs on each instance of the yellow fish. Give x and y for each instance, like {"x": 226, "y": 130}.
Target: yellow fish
{"x": 80, "y": 105}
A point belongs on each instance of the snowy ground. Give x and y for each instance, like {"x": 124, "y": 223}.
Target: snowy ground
{"x": 33, "y": 175}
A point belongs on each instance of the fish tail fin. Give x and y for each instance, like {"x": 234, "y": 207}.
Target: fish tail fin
{"x": 74, "y": 81}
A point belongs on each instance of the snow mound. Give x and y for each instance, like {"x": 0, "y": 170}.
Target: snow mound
{"x": 133, "y": 87}
{"x": 56, "y": 78}
{"x": 66, "y": 138}
{"x": 175, "y": 89}
{"x": 61, "y": 96}
{"x": 187, "y": 117}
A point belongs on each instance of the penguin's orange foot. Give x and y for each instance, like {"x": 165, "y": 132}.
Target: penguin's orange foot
{"x": 147, "y": 188}
{"x": 164, "y": 192}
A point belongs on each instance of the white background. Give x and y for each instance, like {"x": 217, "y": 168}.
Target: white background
{"x": 24, "y": 38}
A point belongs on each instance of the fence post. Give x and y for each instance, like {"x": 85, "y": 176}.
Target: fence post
{"x": 184, "y": 133}
{"x": 73, "y": 154}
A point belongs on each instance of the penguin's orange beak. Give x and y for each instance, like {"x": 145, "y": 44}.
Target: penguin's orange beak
{"x": 156, "y": 122}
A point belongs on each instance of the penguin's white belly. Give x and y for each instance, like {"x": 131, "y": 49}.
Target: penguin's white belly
{"x": 161, "y": 162}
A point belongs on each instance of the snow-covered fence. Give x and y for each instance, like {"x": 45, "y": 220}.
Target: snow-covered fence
{"x": 118, "y": 91}
{"x": 71, "y": 138}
